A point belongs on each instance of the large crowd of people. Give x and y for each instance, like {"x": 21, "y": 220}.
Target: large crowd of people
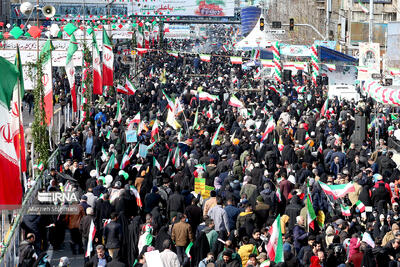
{"x": 150, "y": 203}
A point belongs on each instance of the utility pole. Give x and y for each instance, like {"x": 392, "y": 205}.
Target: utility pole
{"x": 371, "y": 20}
{"x": 328, "y": 13}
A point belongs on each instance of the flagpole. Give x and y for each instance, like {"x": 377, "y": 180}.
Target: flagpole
{"x": 19, "y": 118}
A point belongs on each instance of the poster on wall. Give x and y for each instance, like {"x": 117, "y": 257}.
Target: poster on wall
{"x": 369, "y": 57}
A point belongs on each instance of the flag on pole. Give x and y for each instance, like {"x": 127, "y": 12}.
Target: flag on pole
{"x": 209, "y": 113}
{"x": 154, "y": 130}
{"x": 110, "y": 165}
{"x": 275, "y": 244}
{"x": 97, "y": 79}
{"x": 236, "y": 60}
{"x": 47, "y": 79}
{"x": 363, "y": 8}
{"x": 209, "y": 97}
{"x": 280, "y": 144}
{"x": 10, "y": 184}
{"x": 175, "y": 159}
{"x": 173, "y": 53}
{"x": 331, "y": 67}
{"x": 187, "y": 250}
{"x": 130, "y": 87}
{"x": 70, "y": 70}
{"x": 206, "y": 58}
{"x": 156, "y": 164}
{"x": 171, "y": 104}
{"x": 310, "y": 213}
{"x": 108, "y": 61}
{"x": 215, "y": 136}
{"x": 269, "y": 129}
{"x": 118, "y": 115}
{"x": 235, "y": 102}
{"x": 137, "y": 196}
{"x": 345, "y": 210}
{"x": 255, "y": 54}
{"x": 121, "y": 89}
{"x": 360, "y": 206}
{"x": 126, "y": 157}
{"x": 325, "y": 107}
{"x": 92, "y": 233}
{"x": 337, "y": 191}
{"x": 17, "y": 128}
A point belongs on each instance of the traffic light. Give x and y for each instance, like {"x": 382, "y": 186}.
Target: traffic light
{"x": 291, "y": 24}
{"x": 261, "y": 24}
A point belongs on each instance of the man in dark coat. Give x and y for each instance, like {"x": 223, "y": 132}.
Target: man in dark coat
{"x": 99, "y": 258}
{"x": 293, "y": 210}
{"x": 113, "y": 236}
{"x": 300, "y": 235}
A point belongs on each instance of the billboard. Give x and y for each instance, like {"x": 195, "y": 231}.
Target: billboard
{"x": 201, "y": 8}
{"x": 393, "y": 44}
{"x": 369, "y": 57}
{"x": 359, "y": 32}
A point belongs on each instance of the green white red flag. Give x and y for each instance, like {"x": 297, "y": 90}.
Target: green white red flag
{"x": 325, "y": 107}
{"x": 156, "y": 164}
{"x": 10, "y": 184}
{"x": 204, "y": 57}
{"x": 337, "y": 191}
{"x": 154, "y": 130}
{"x": 47, "y": 80}
{"x": 275, "y": 244}
{"x": 360, "y": 206}
{"x": 345, "y": 210}
{"x": 269, "y": 129}
{"x": 130, "y": 87}
{"x": 108, "y": 61}
{"x": 70, "y": 70}
{"x": 92, "y": 233}
{"x": 235, "y": 102}
{"x": 97, "y": 79}
{"x": 310, "y": 213}
{"x": 118, "y": 115}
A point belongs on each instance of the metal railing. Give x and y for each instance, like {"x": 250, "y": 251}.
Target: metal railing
{"x": 9, "y": 249}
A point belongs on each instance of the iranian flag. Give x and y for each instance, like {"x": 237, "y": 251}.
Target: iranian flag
{"x": 137, "y": 196}
{"x": 139, "y": 38}
{"x": 171, "y": 104}
{"x": 269, "y": 129}
{"x": 126, "y": 157}
{"x": 175, "y": 159}
{"x": 10, "y": 184}
{"x": 225, "y": 48}
{"x": 156, "y": 164}
{"x": 275, "y": 244}
{"x": 187, "y": 250}
{"x": 70, "y": 70}
{"x": 236, "y": 60}
{"x": 331, "y": 67}
{"x": 108, "y": 61}
{"x": 204, "y": 57}
{"x": 363, "y": 8}
{"x": 17, "y": 128}
{"x": 208, "y": 97}
{"x": 97, "y": 79}
{"x": 154, "y": 130}
{"x": 394, "y": 72}
{"x": 130, "y": 87}
{"x": 215, "y": 136}
{"x": 111, "y": 164}
{"x": 47, "y": 80}
{"x": 300, "y": 89}
{"x": 121, "y": 89}
{"x": 118, "y": 115}
{"x": 345, "y": 210}
{"x": 320, "y": 150}
{"x": 337, "y": 191}
{"x": 173, "y": 53}
{"x": 209, "y": 113}
{"x": 235, "y": 102}
{"x": 310, "y": 213}
{"x": 325, "y": 107}
{"x": 92, "y": 233}
{"x": 360, "y": 206}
